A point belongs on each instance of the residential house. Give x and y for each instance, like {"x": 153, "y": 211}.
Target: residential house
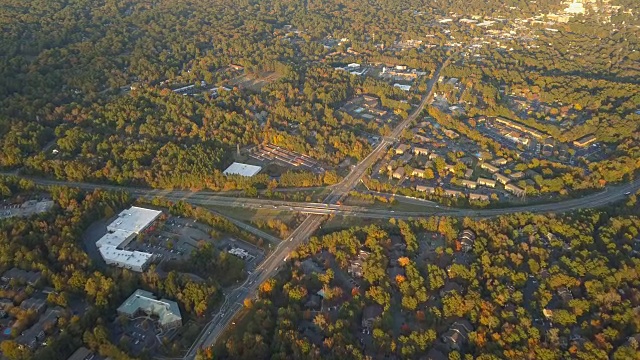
{"x": 501, "y": 178}
{"x": 517, "y": 175}
{"x": 499, "y": 161}
{"x": 468, "y": 184}
{"x": 450, "y": 168}
{"x": 369, "y": 315}
{"x": 418, "y": 172}
{"x": 28, "y": 277}
{"x": 453, "y": 193}
{"x": 467, "y": 160}
{"x": 315, "y": 301}
{"x": 82, "y": 354}
{"x": 490, "y": 168}
{"x": 458, "y": 335}
{"x": 427, "y": 189}
{"x": 480, "y": 197}
{"x": 433, "y": 156}
{"x": 450, "y": 133}
{"x": 402, "y": 148}
{"x": 420, "y": 151}
{"x": 467, "y": 238}
{"x": 34, "y": 304}
{"x": 565, "y": 294}
{"x": 451, "y": 287}
{"x": 35, "y": 335}
{"x": 486, "y": 182}
{"x": 515, "y": 190}
{"x": 435, "y": 354}
{"x": 355, "y": 266}
{"x": 369, "y": 101}
{"x": 585, "y": 141}
{"x": 468, "y": 174}
{"x": 398, "y": 173}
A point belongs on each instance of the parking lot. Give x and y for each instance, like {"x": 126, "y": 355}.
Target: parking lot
{"x": 254, "y": 255}
{"x": 271, "y": 153}
{"x": 27, "y": 208}
{"x": 141, "y": 333}
{"x": 173, "y": 240}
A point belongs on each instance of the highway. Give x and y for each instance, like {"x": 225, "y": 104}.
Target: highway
{"x": 331, "y": 204}
{"x": 319, "y": 212}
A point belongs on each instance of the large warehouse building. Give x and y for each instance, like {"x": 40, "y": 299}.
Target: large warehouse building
{"x": 120, "y": 232}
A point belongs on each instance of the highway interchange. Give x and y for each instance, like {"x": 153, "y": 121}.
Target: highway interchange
{"x": 315, "y": 218}
{"x": 317, "y": 213}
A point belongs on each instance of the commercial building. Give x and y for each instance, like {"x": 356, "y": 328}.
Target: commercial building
{"x": 121, "y": 231}
{"x": 242, "y": 169}
{"x": 144, "y": 302}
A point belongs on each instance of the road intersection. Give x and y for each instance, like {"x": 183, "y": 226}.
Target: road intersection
{"x": 317, "y": 213}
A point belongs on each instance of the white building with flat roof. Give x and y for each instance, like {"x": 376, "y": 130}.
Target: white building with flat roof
{"x": 133, "y": 260}
{"x": 134, "y": 219}
{"x": 242, "y": 169}
{"x": 120, "y": 232}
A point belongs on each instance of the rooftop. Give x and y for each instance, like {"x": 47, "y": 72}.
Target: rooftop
{"x": 81, "y": 354}
{"x": 166, "y": 310}
{"x": 129, "y": 223}
{"x": 242, "y": 169}
{"x": 131, "y": 259}
{"x": 134, "y": 219}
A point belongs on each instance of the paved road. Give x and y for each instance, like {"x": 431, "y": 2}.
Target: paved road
{"x": 312, "y": 222}
{"x": 609, "y": 195}
{"x": 253, "y": 230}
{"x": 331, "y": 205}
